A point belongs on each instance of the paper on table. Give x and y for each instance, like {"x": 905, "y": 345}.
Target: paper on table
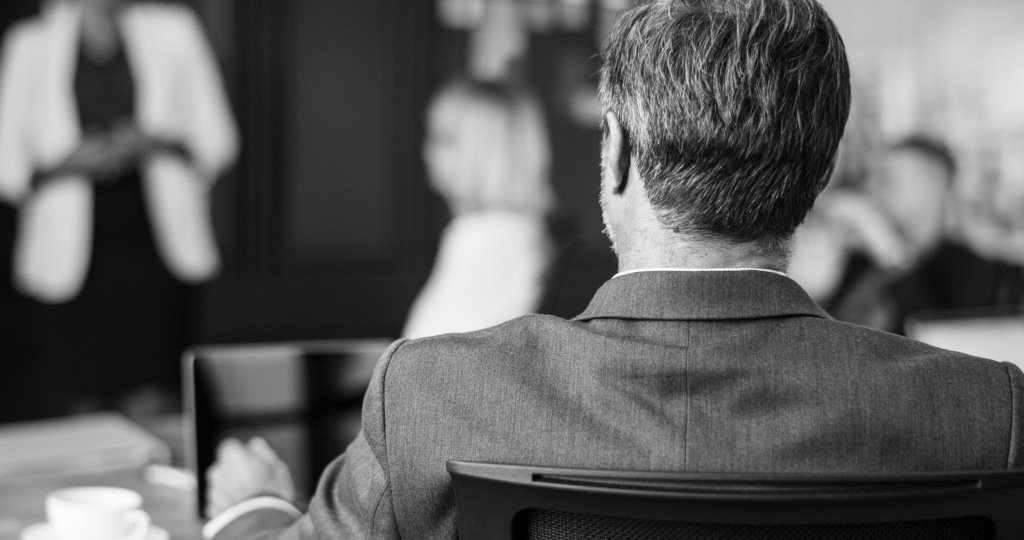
{"x": 86, "y": 443}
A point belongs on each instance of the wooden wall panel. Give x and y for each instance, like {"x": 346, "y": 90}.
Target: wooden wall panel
{"x": 326, "y": 223}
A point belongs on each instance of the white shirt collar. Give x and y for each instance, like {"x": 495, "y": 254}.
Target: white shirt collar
{"x": 638, "y": 270}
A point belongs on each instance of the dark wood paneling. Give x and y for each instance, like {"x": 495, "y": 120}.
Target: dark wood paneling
{"x": 327, "y": 224}
{"x": 334, "y": 228}
{"x": 342, "y": 111}
{"x": 16, "y": 394}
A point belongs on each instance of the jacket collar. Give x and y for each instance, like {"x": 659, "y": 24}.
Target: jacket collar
{"x": 700, "y": 295}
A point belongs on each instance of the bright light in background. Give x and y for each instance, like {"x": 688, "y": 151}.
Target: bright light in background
{"x": 952, "y": 70}
{"x": 537, "y": 15}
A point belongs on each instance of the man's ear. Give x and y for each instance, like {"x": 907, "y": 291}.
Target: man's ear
{"x": 617, "y": 152}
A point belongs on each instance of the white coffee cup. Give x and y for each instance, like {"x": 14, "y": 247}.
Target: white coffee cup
{"x": 97, "y": 513}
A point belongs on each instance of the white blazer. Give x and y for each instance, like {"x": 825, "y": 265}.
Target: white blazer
{"x": 490, "y": 267}
{"x": 179, "y": 96}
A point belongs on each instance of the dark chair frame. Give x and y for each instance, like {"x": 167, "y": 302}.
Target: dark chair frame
{"x": 491, "y": 497}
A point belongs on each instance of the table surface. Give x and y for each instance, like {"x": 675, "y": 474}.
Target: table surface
{"x": 22, "y": 502}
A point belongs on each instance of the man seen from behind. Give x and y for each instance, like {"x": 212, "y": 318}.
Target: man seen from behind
{"x": 722, "y": 119}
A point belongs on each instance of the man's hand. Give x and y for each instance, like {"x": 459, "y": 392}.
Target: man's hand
{"x": 243, "y": 471}
{"x": 866, "y": 228}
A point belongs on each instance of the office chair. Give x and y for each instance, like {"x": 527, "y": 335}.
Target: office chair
{"x": 497, "y": 502}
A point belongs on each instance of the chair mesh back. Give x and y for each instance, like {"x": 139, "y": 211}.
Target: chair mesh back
{"x": 551, "y": 525}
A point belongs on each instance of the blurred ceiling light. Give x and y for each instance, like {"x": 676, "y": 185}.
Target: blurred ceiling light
{"x": 540, "y": 15}
{"x": 461, "y": 13}
{"x": 574, "y": 14}
{"x": 499, "y": 40}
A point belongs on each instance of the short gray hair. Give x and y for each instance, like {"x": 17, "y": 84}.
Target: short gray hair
{"x": 733, "y": 110}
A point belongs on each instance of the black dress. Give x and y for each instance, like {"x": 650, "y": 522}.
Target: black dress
{"x": 127, "y": 327}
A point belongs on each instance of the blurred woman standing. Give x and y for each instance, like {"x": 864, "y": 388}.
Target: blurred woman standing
{"x": 113, "y": 127}
{"x": 487, "y": 155}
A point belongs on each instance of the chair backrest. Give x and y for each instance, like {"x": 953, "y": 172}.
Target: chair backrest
{"x": 537, "y": 503}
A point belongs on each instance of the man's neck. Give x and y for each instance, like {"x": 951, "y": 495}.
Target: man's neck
{"x": 698, "y": 255}
{"x": 642, "y": 240}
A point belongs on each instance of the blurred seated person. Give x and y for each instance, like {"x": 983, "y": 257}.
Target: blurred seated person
{"x": 700, "y": 355}
{"x": 991, "y": 217}
{"x": 487, "y": 155}
{"x": 894, "y": 245}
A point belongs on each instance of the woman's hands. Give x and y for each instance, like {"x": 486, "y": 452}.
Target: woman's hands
{"x": 103, "y": 156}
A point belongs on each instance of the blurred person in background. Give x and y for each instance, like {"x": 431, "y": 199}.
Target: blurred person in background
{"x": 991, "y": 217}
{"x": 113, "y": 127}
{"x": 893, "y": 244}
{"x": 487, "y": 155}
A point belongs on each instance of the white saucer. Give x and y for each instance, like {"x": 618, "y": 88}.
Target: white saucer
{"x": 42, "y": 531}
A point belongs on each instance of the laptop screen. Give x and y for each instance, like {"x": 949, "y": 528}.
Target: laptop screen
{"x": 304, "y": 398}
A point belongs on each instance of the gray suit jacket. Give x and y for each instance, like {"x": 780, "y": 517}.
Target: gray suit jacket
{"x": 665, "y": 371}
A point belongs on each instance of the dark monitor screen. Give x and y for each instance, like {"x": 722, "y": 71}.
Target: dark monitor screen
{"x": 304, "y": 398}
